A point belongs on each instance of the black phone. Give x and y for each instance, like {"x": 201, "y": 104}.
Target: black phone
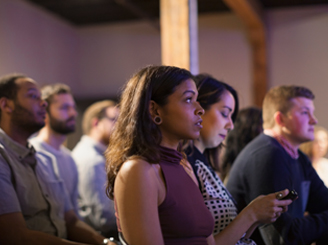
{"x": 292, "y": 195}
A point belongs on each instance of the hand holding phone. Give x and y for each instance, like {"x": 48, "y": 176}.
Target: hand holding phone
{"x": 292, "y": 195}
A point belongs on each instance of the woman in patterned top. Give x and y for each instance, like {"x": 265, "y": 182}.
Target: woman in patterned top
{"x": 220, "y": 102}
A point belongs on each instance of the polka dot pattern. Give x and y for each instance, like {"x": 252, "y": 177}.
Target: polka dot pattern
{"x": 217, "y": 199}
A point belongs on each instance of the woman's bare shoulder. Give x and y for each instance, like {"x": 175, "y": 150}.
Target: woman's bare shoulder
{"x": 137, "y": 176}
{"x": 136, "y": 167}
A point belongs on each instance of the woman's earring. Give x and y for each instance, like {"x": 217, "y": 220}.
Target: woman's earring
{"x": 157, "y": 120}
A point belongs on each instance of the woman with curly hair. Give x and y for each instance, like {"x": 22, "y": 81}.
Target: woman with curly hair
{"x": 156, "y": 200}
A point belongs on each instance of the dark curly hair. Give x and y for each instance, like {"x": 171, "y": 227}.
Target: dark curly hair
{"x": 135, "y": 134}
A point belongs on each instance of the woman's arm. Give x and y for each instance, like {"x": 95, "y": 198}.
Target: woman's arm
{"x": 210, "y": 240}
{"x": 263, "y": 209}
{"x": 138, "y": 191}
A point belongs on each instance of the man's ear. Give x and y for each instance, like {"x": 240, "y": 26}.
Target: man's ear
{"x": 6, "y": 105}
{"x": 153, "y": 109}
{"x": 94, "y": 121}
{"x": 279, "y": 118}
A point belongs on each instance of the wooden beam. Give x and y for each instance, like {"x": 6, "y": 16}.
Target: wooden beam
{"x": 250, "y": 12}
{"x": 179, "y": 39}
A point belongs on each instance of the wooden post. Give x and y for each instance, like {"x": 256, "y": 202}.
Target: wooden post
{"x": 251, "y": 14}
{"x": 178, "y": 20}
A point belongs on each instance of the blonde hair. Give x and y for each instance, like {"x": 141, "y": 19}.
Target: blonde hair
{"x": 279, "y": 99}
{"x": 96, "y": 110}
{"x": 307, "y": 147}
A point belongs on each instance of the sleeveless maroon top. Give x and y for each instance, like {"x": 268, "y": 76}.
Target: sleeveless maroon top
{"x": 183, "y": 215}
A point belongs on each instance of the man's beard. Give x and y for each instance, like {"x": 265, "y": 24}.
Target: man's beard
{"x": 61, "y": 127}
{"x": 105, "y": 139}
{"x": 23, "y": 118}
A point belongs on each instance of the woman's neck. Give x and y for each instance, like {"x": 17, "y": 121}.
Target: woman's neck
{"x": 199, "y": 146}
{"x": 171, "y": 145}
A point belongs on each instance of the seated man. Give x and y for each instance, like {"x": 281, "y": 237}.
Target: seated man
{"x": 59, "y": 122}
{"x": 34, "y": 210}
{"x": 272, "y": 162}
{"x": 97, "y": 209}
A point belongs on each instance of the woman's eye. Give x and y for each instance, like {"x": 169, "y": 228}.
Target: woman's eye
{"x": 64, "y": 108}
{"x": 34, "y": 96}
{"x": 188, "y": 100}
{"x": 224, "y": 115}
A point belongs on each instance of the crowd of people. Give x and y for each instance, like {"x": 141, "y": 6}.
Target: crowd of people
{"x": 176, "y": 161}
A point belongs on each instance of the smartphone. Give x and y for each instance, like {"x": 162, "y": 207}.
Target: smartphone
{"x": 292, "y": 195}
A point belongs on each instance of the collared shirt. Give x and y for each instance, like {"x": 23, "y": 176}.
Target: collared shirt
{"x": 283, "y": 142}
{"x": 95, "y": 207}
{"x": 61, "y": 166}
{"x": 25, "y": 188}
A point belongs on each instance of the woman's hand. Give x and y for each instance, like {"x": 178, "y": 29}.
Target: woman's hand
{"x": 268, "y": 208}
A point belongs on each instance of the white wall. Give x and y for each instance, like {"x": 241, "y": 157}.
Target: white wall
{"x": 110, "y": 54}
{"x": 97, "y": 60}
{"x": 224, "y": 52}
{"x": 298, "y": 52}
{"x": 36, "y": 43}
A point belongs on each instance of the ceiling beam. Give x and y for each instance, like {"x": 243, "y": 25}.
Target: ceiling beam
{"x": 251, "y": 13}
{"x": 139, "y": 12}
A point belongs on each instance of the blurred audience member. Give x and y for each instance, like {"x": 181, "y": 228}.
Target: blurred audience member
{"x": 272, "y": 161}
{"x": 59, "y": 122}
{"x": 317, "y": 150}
{"x": 220, "y": 102}
{"x": 247, "y": 126}
{"x": 156, "y": 201}
{"x": 34, "y": 207}
{"x": 95, "y": 207}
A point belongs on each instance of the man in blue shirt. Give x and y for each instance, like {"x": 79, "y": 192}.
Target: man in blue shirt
{"x": 96, "y": 208}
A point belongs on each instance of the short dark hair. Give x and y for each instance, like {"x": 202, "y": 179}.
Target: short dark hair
{"x": 8, "y": 86}
{"x": 279, "y": 99}
{"x": 48, "y": 91}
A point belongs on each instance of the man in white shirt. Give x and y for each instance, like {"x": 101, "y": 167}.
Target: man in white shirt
{"x": 96, "y": 208}
{"x": 59, "y": 122}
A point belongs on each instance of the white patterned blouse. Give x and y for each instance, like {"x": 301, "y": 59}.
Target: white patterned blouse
{"x": 216, "y": 197}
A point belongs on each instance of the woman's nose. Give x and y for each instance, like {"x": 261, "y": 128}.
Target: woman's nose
{"x": 230, "y": 125}
{"x": 199, "y": 110}
{"x": 44, "y": 103}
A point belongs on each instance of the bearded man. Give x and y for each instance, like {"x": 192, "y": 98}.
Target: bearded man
{"x": 59, "y": 122}
{"x": 34, "y": 206}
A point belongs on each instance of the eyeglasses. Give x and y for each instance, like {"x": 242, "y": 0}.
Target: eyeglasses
{"x": 112, "y": 119}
